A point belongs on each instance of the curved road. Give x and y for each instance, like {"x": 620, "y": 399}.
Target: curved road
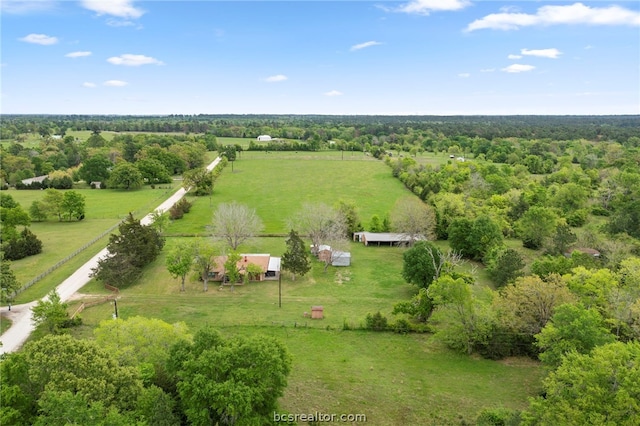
{"x": 20, "y": 315}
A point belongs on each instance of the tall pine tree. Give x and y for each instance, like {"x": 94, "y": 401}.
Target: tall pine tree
{"x": 296, "y": 258}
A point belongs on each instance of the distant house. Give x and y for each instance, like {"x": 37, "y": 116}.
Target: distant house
{"x": 96, "y": 184}
{"x": 264, "y": 138}
{"x": 383, "y": 238}
{"x": 38, "y": 179}
{"x": 269, "y": 266}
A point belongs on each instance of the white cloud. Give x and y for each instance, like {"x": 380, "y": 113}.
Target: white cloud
{"x": 77, "y": 54}
{"x": 464, "y": 75}
{"x": 333, "y": 93}
{"x": 115, "y": 83}
{"x": 130, "y": 60}
{"x": 424, "y": 7}
{"x": 89, "y": 85}
{"x": 42, "y": 39}
{"x": 120, "y": 8}
{"x": 22, "y": 7}
{"x": 364, "y": 45}
{"x": 576, "y": 13}
{"x": 120, "y": 23}
{"x": 276, "y": 78}
{"x": 543, "y": 53}
{"x": 514, "y": 68}
{"x": 514, "y": 57}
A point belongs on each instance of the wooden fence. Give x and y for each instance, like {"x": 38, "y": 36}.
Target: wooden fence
{"x": 84, "y": 305}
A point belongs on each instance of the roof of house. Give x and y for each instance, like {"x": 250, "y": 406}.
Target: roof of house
{"x": 274, "y": 264}
{"x": 385, "y": 237}
{"x": 262, "y": 260}
{"x": 38, "y": 179}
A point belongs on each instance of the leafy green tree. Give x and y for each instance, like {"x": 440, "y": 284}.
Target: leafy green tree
{"x": 549, "y": 265}
{"x": 296, "y": 258}
{"x": 125, "y": 176}
{"x": 10, "y": 219}
{"x": 350, "y": 213}
{"x": 474, "y": 238}
{"x": 375, "y": 224}
{"x": 38, "y": 211}
{"x": 159, "y": 221}
{"x": 73, "y": 205}
{"x": 143, "y": 343}
{"x": 462, "y": 320}
{"x": 53, "y": 200}
{"x": 572, "y": 328}
{"x": 8, "y": 282}
{"x": 570, "y": 197}
{"x": 231, "y": 268}
{"x": 230, "y": 381}
{"x": 153, "y": 171}
{"x": 134, "y": 247}
{"x": 51, "y": 313}
{"x": 419, "y": 307}
{"x": 64, "y": 408}
{"x": 536, "y": 225}
{"x": 204, "y": 261}
{"x": 504, "y": 265}
{"x": 592, "y": 287}
{"x": 200, "y": 180}
{"x": 602, "y": 387}
{"x": 95, "y": 169}
{"x": 527, "y": 305}
{"x": 422, "y": 264}
{"x": 562, "y": 240}
{"x": 179, "y": 261}
{"x": 235, "y": 223}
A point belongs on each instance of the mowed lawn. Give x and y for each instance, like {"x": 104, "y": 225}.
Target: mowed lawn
{"x": 104, "y": 209}
{"x": 277, "y": 184}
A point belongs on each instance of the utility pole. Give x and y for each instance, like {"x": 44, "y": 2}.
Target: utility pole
{"x": 280, "y": 290}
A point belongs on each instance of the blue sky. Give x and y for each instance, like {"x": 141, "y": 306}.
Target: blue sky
{"x": 439, "y": 57}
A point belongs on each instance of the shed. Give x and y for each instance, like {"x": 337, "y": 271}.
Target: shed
{"x": 340, "y": 258}
{"x": 317, "y": 312}
{"x": 383, "y": 238}
{"x": 264, "y": 138}
{"x": 96, "y": 184}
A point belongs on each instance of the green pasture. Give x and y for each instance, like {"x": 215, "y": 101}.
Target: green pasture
{"x": 390, "y": 378}
{"x": 104, "y": 209}
{"x": 279, "y": 183}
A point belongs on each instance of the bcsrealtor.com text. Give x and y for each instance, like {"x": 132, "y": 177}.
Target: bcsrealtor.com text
{"x": 319, "y": 417}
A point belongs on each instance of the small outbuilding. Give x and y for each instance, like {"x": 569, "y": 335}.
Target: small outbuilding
{"x": 37, "y": 179}
{"x": 264, "y": 138}
{"x": 317, "y": 312}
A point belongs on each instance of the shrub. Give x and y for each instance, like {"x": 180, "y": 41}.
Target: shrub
{"x": 376, "y": 322}
{"x": 402, "y": 326}
{"x": 175, "y": 212}
{"x": 497, "y": 417}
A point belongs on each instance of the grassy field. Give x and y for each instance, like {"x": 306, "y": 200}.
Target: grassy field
{"x": 392, "y": 379}
{"x": 104, "y": 209}
{"x": 277, "y": 185}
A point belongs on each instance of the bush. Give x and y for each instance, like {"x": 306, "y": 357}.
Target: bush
{"x": 402, "y": 326}
{"x": 19, "y": 247}
{"x": 577, "y": 218}
{"x": 497, "y": 417}
{"x": 175, "y": 212}
{"x": 184, "y": 205}
{"x": 376, "y": 322}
